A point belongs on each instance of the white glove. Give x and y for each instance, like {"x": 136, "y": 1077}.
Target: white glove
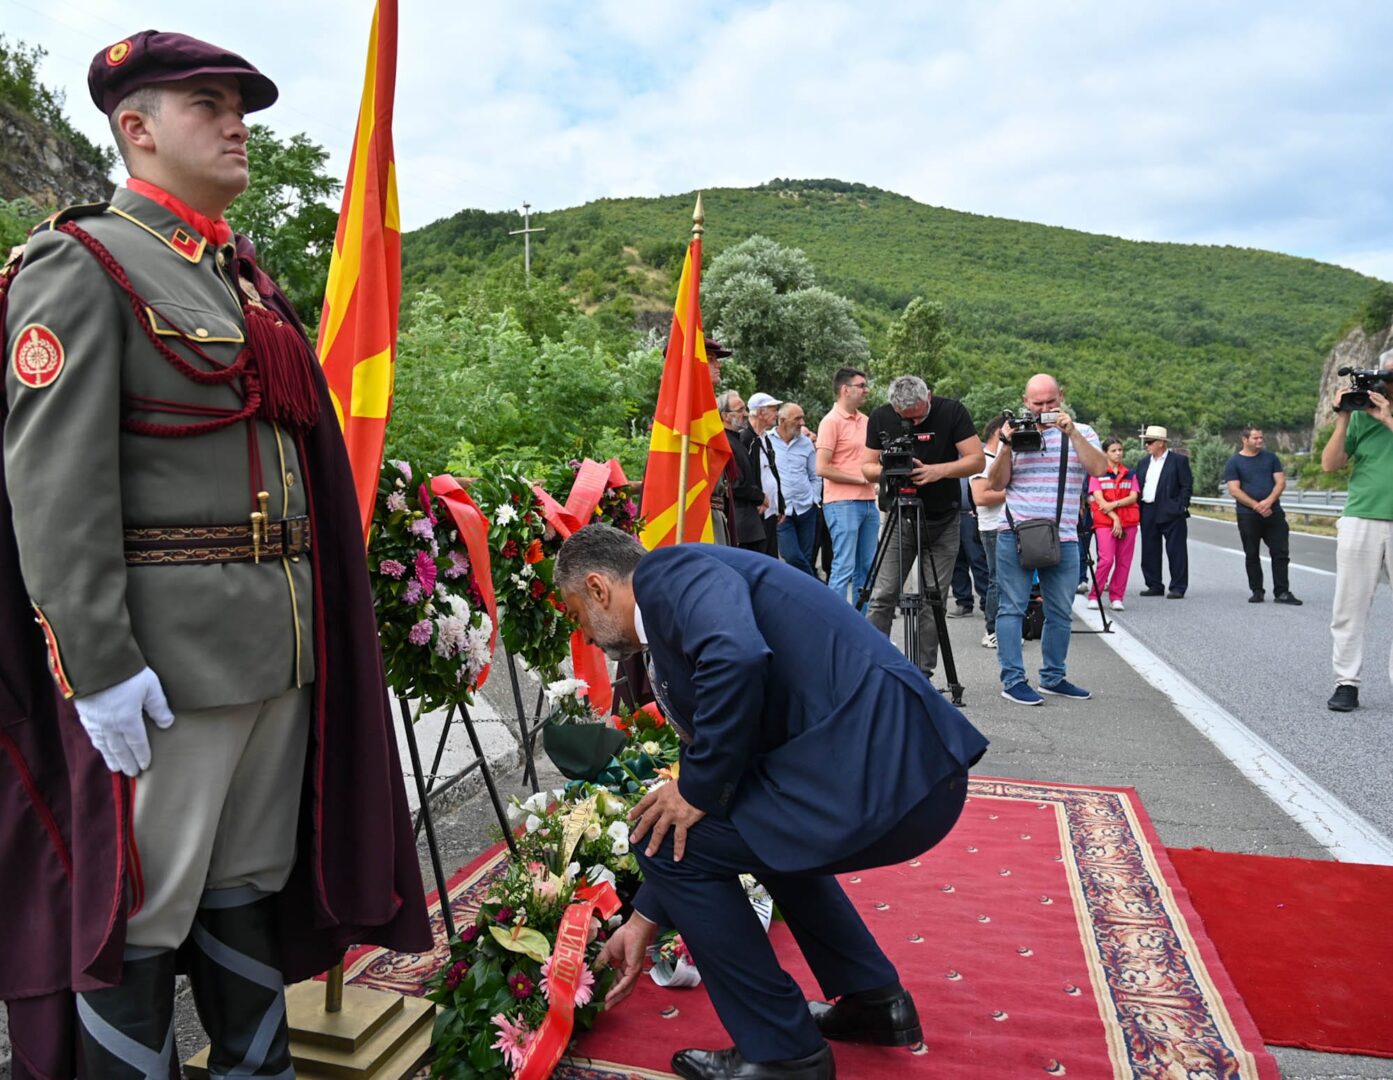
{"x": 113, "y": 721}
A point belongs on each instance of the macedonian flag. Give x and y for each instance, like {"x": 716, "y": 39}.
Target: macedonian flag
{"x": 686, "y": 407}
{"x": 358, "y": 330}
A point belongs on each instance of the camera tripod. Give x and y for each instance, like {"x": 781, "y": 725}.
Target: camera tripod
{"x": 1086, "y": 553}
{"x": 907, "y": 514}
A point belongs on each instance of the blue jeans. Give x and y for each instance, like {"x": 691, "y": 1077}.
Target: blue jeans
{"x": 1057, "y": 584}
{"x": 797, "y": 537}
{"x": 993, "y": 593}
{"x": 971, "y": 565}
{"x": 853, "y": 524}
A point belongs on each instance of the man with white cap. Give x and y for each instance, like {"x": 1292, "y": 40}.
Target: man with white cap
{"x": 764, "y": 414}
{"x": 1165, "y": 505}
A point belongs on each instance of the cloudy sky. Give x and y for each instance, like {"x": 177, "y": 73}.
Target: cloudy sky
{"x": 1264, "y": 125}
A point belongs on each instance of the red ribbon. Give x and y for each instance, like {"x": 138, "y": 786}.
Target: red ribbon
{"x": 474, "y": 531}
{"x": 563, "y": 979}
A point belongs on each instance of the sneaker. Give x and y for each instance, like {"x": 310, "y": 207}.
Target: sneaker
{"x": 989, "y": 641}
{"x": 1285, "y": 598}
{"x": 1022, "y": 694}
{"x": 1344, "y": 699}
{"x": 1092, "y": 605}
{"x": 1083, "y": 588}
{"x": 960, "y": 612}
{"x": 1117, "y": 605}
{"x": 1257, "y": 597}
{"x": 1064, "y": 688}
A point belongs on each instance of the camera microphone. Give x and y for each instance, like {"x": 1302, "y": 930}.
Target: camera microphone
{"x": 1345, "y": 371}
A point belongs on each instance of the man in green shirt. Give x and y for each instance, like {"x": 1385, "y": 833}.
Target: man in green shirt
{"x": 1364, "y": 550}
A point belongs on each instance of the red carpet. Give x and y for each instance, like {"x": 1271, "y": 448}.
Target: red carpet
{"x": 1046, "y": 936}
{"x": 1309, "y": 944}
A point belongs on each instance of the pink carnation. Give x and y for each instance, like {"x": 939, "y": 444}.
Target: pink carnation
{"x": 423, "y": 528}
{"x": 391, "y": 568}
{"x": 420, "y": 633}
{"x": 414, "y": 594}
{"x": 458, "y": 567}
{"x": 425, "y": 570}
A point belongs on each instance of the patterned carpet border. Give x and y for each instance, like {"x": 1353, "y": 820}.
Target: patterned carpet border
{"x": 1161, "y": 992}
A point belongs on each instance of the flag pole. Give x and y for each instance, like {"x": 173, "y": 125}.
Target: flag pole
{"x": 689, "y": 346}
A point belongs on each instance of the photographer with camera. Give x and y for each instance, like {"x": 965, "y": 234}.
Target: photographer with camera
{"x": 1364, "y": 548}
{"x": 1041, "y": 466}
{"x": 927, "y": 444}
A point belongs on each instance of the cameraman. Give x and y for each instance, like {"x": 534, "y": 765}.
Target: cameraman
{"x": 946, "y": 447}
{"x": 1031, "y": 482}
{"x": 1365, "y": 543}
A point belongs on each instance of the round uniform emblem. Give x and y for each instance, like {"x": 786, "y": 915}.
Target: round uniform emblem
{"x": 37, "y": 357}
{"x": 116, "y": 55}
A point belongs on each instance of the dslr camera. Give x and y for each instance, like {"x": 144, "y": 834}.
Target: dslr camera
{"x": 1361, "y": 381}
{"x": 1025, "y": 428}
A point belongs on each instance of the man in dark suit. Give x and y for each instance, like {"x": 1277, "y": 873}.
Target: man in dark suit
{"x": 742, "y": 474}
{"x": 1165, "y": 505}
{"x": 811, "y": 747}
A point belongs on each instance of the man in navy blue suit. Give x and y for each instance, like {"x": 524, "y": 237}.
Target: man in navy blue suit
{"x": 812, "y": 747}
{"x": 1165, "y": 507}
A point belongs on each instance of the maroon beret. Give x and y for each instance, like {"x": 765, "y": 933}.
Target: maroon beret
{"x": 715, "y": 350}
{"x": 153, "y": 57}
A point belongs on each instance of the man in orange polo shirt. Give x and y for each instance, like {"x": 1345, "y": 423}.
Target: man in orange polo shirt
{"x": 848, "y": 498}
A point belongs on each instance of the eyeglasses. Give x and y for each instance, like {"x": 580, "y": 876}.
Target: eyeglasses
{"x": 858, "y": 385}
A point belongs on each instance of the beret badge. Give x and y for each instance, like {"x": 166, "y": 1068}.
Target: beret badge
{"x": 116, "y": 55}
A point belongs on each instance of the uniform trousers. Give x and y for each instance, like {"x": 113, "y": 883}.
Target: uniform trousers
{"x": 217, "y": 809}
{"x": 762, "y": 1008}
{"x": 1363, "y": 556}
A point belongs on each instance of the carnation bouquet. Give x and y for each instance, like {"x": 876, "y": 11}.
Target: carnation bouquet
{"x": 532, "y": 619}
{"x": 430, "y": 613}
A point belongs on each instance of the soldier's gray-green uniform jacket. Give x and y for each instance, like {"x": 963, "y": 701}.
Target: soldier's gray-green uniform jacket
{"x": 215, "y": 634}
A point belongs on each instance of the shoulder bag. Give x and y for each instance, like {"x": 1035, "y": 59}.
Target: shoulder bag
{"x": 1037, "y": 540}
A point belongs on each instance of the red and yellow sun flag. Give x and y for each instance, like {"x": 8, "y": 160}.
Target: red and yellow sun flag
{"x": 686, "y": 417}
{"x": 358, "y": 330}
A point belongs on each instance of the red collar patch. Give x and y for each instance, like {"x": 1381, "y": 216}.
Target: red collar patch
{"x": 185, "y": 243}
{"x": 37, "y": 356}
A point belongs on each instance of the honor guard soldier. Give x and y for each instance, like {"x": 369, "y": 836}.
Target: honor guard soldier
{"x": 196, "y": 566}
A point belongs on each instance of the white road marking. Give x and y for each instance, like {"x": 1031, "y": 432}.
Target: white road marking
{"x": 1294, "y": 565}
{"x": 1332, "y": 824}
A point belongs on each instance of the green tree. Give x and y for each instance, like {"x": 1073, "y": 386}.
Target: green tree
{"x": 915, "y": 342}
{"x": 1208, "y": 453}
{"x": 284, "y": 214}
{"x": 763, "y": 301}
{"x": 20, "y": 86}
{"x": 1377, "y": 313}
{"x": 17, "y": 217}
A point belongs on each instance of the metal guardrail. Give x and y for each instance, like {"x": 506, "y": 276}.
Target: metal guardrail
{"x": 1291, "y": 506}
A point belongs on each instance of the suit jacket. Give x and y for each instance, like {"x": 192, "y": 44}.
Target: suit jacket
{"x": 746, "y": 492}
{"x": 1173, "y": 489}
{"x": 762, "y": 456}
{"x": 810, "y": 731}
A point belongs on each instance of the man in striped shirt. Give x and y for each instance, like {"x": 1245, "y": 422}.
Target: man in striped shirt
{"x": 1031, "y": 482}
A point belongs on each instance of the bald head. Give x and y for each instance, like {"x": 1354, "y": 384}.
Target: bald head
{"x": 1042, "y": 394}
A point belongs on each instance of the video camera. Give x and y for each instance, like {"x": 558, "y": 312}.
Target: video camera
{"x": 897, "y": 459}
{"x": 1025, "y": 428}
{"x": 1361, "y": 381}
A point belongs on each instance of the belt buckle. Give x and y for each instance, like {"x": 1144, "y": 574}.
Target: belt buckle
{"x": 293, "y": 533}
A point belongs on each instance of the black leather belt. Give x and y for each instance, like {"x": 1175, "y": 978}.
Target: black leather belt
{"x": 284, "y": 538}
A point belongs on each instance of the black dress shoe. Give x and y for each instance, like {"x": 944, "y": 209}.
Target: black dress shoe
{"x": 1153, "y": 592}
{"x": 729, "y": 1065}
{"x": 1285, "y": 598}
{"x": 887, "y": 1019}
{"x": 1257, "y": 597}
{"x": 1344, "y": 699}
{"x": 1173, "y": 595}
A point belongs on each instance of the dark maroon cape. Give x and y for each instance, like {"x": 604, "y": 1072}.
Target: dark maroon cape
{"x": 62, "y": 898}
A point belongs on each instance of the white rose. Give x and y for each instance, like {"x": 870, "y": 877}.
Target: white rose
{"x": 533, "y": 823}
{"x": 592, "y": 831}
{"x": 620, "y": 847}
{"x": 651, "y": 748}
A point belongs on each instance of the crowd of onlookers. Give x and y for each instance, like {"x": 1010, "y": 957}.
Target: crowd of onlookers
{"x": 815, "y": 498}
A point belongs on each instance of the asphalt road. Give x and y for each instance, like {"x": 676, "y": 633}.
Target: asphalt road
{"x": 1269, "y": 664}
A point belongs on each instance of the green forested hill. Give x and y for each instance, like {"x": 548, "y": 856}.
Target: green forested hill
{"x": 1183, "y": 335}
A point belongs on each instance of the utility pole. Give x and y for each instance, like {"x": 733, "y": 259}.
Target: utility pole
{"x": 526, "y": 233}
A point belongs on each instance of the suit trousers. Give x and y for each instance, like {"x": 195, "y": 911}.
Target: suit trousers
{"x": 1363, "y": 557}
{"x": 218, "y": 808}
{"x": 1173, "y": 534}
{"x": 1255, "y": 530}
{"x": 937, "y": 547}
{"x": 762, "y": 1008}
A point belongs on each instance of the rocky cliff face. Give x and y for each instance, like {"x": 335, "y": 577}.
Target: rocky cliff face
{"x": 37, "y": 165}
{"x": 1356, "y": 350}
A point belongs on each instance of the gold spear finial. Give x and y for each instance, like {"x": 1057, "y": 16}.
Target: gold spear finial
{"x": 698, "y": 218}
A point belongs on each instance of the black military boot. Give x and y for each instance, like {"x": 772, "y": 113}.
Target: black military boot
{"x": 234, "y": 968}
{"x": 127, "y": 1031}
